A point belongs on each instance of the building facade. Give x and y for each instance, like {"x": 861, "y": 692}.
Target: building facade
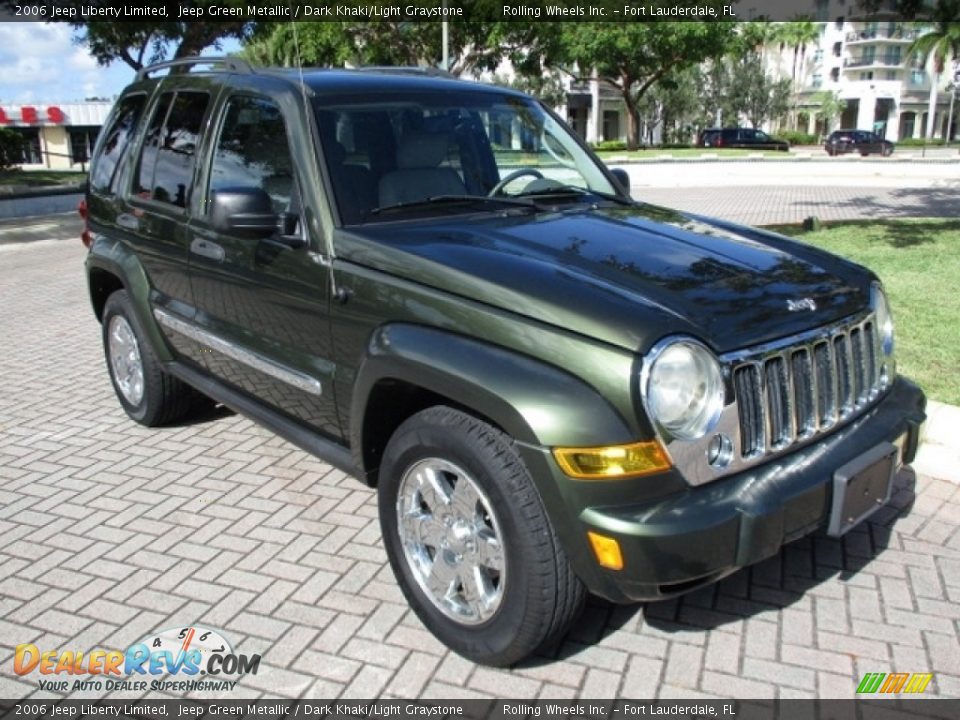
{"x": 56, "y": 136}
{"x": 866, "y": 62}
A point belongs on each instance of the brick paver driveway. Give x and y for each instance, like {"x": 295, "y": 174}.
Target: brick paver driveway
{"x": 112, "y": 531}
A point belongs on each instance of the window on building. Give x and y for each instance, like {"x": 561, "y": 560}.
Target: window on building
{"x": 839, "y": 23}
{"x": 166, "y": 161}
{"x": 816, "y": 81}
{"x": 891, "y": 74}
{"x": 835, "y": 74}
{"x": 115, "y": 141}
{"x": 32, "y": 154}
{"x": 611, "y": 125}
{"x": 868, "y": 75}
{"x": 918, "y": 77}
{"x": 82, "y": 140}
{"x": 837, "y": 49}
{"x": 818, "y": 56}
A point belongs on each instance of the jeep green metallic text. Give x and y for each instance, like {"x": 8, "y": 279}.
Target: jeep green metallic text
{"x": 435, "y": 286}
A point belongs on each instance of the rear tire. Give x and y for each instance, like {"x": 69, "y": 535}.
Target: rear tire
{"x": 147, "y": 394}
{"x": 469, "y": 539}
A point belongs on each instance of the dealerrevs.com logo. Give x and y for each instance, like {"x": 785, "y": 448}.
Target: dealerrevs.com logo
{"x": 180, "y": 659}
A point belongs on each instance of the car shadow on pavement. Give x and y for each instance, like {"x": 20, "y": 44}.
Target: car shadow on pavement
{"x": 768, "y": 588}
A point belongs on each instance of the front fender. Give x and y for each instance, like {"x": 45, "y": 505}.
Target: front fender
{"x": 533, "y": 402}
{"x": 113, "y": 257}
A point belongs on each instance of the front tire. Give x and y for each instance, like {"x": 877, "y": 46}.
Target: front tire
{"x": 469, "y": 540}
{"x": 147, "y": 394}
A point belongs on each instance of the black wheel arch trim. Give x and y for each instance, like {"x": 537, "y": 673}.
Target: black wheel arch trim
{"x": 533, "y": 402}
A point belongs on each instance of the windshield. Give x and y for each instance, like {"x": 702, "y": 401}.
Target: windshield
{"x": 407, "y": 152}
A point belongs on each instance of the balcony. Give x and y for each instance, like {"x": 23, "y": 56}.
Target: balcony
{"x": 885, "y": 35}
{"x": 883, "y": 59}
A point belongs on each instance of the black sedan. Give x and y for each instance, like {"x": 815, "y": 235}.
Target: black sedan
{"x": 744, "y": 138}
{"x": 861, "y": 141}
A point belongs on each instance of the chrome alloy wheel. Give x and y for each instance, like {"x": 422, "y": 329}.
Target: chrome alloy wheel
{"x": 451, "y": 540}
{"x": 125, "y": 359}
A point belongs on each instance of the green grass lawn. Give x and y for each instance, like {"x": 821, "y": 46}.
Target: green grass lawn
{"x": 919, "y": 264}
{"x": 38, "y": 178}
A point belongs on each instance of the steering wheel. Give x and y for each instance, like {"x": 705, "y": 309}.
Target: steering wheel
{"x": 498, "y": 188}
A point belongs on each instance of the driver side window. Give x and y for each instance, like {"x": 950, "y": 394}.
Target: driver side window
{"x": 253, "y": 151}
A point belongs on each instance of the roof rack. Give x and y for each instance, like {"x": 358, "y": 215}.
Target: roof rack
{"x": 406, "y": 70}
{"x": 228, "y": 64}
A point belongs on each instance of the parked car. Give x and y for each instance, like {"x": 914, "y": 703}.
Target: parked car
{"x": 864, "y": 142}
{"x": 435, "y": 286}
{"x": 747, "y": 138}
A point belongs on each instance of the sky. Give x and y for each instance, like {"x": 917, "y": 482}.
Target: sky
{"x": 41, "y": 63}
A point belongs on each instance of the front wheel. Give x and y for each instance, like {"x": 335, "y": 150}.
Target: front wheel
{"x": 469, "y": 540}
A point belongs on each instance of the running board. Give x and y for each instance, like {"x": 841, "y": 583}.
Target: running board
{"x": 308, "y": 440}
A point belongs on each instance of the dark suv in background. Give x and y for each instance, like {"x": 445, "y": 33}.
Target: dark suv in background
{"x": 746, "y": 138}
{"x": 435, "y": 286}
{"x": 864, "y": 142}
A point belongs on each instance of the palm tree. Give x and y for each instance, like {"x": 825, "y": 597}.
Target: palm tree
{"x": 940, "y": 41}
{"x": 798, "y": 34}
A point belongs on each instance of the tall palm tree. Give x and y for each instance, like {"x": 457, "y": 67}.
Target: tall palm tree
{"x": 940, "y": 41}
{"x": 798, "y": 34}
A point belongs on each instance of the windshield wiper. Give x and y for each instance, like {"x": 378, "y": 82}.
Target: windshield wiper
{"x": 454, "y": 200}
{"x": 573, "y": 190}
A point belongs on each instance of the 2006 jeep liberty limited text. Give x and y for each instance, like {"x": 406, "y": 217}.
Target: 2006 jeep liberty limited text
{"x": 436, "y": 287}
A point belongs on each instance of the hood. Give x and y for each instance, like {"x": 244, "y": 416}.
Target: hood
{"x": 624, "y": 275}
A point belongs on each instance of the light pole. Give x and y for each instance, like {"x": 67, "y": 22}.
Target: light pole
{"x": 446, "y": 39}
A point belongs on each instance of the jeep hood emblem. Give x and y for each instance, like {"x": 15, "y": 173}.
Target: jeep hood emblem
{"x": 801, "y": 304}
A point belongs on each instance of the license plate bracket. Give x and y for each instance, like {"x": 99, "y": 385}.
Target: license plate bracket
{"x": 861, "y": 487}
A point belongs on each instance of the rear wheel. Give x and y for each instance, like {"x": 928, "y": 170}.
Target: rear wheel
{"x": 469, "y": 540}
{"x": 147, "y": 394}
{"x": 887, "y": 150}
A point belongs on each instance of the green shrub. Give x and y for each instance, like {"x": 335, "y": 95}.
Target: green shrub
{"x": 610, "y": 145}
{"x": 798, "y": 138}
{"x": 11, "y": 148}
{"x": 919, "y": 142}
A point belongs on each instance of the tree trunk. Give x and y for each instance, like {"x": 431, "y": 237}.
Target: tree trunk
{"x": 932, "y": 108}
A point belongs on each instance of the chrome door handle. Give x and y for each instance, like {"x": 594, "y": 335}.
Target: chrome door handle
{"x": 207, "y": 249}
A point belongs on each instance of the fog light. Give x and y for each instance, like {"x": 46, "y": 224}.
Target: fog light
{"x": 617, "y": 461}
{"x": 606, "y": 550}
{"x": 719, "y": 451}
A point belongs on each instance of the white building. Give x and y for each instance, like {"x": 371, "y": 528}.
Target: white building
{"x": 866, "y": 62}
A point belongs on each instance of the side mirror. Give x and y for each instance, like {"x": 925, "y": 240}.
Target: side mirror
{"x": 623, "y": 178}
{"x": 245, "y": 211}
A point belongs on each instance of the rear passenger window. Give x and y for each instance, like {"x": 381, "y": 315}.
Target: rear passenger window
{"x": 166, "y": 162}
{"x": 114, "y": 143}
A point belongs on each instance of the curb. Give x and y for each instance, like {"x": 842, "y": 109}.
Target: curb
{"x": 939, "y": 454}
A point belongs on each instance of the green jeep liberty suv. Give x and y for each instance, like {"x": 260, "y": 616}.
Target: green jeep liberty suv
{"x": 435, "y": 286}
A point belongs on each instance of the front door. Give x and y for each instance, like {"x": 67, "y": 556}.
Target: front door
{"x": 263, "y": 304}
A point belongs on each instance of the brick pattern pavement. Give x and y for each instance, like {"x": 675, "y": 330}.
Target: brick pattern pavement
{"x": 112, "y": 532}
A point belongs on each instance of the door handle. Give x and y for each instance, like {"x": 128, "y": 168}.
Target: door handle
{"x": 207, "y": 249}
{"x": 128, "y": 221}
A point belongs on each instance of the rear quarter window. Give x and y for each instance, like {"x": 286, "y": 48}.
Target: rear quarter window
{"x": 114, "y": 142}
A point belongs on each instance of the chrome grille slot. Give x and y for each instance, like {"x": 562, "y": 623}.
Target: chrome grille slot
{"x": 746, "y": 380}
{"x": 804, "y": 413}
{"x": 826, "y": 384}
{"x": 841, "y": 351}
{"x": 794, "y": 391}
{"x": 777, "y": 391}
{"x": 859, "y": 369}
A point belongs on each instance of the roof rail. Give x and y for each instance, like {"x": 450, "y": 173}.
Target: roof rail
{"x": 406, "y": 70}
{"x": 228, "y": 64}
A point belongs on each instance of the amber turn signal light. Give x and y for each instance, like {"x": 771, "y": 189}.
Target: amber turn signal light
{"x": 613, "y": 462}
{"x": 606, "y": 550}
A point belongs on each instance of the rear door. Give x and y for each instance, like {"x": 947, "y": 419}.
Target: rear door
{"x": 262, "y": 303}
{"x": 162, "y": 194}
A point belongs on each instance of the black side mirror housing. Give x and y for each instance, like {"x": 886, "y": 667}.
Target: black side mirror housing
{"x": 246, "y": 211}
{"x": 623, "y": 178}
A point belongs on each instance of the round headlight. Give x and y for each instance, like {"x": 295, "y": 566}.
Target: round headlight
{"x": 884, "y": 320}
{"x": 684, "y": 390}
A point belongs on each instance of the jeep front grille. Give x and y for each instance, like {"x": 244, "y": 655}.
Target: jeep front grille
{"x": 795, "y": 392}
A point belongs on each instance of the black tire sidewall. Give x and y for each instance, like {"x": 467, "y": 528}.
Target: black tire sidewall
{"x": 118, "y": 304}
{"x": 507, "y": 636}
